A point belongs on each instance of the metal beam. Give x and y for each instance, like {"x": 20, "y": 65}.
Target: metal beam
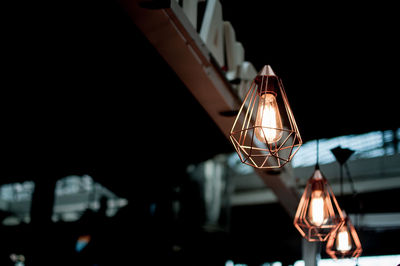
{"x": 378, "y": 221}
{"x": 369, "y": 175}
{"x": 264, "y": 195}
{"x": 361, "y": 169}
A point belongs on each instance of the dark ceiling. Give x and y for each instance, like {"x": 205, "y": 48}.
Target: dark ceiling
{"x": 83, "y": 86}
{"x": 84, "y": 92}
{"x": 338, "y": 62}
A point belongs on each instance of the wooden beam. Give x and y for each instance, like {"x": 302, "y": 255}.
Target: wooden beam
{"x": 174, "y": 37}
{"x": 283, "y": 185}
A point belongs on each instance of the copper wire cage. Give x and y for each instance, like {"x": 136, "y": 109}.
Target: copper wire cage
{"x": 318, "y": 213}
{"x": 344, "y": 242}
{"x": 265, "y": 134}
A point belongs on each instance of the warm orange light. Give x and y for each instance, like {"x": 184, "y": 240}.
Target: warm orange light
{"x": 318, "y": 213}
{"x": 344, "y": 242}
{"x": 268, "y": 121}
{"x": 265, "y": 133}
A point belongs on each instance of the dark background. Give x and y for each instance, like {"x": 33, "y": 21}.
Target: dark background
{"x": 83, "y": 92}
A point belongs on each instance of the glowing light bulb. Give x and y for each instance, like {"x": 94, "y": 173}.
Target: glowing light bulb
{"x": 343, "y": 243}
{"x": 317, "y": 211}
{"x": 268, "y": 120}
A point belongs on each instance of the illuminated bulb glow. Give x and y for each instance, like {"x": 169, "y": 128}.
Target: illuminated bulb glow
{"x": 343, "y": 243}
{"x": 317, "y": 211}
{"x": 268, "y": 120}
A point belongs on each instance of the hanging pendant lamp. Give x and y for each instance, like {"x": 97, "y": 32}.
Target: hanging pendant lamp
{"x": 265, "y": 133}
{"x": 318, "y": 213}
{"x": 344, "y": 242}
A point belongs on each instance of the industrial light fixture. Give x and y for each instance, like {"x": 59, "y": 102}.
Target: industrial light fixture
{"x": 344, "y": 242}
{"x": 265, "y": 133}
{"x": 318, "y": 213}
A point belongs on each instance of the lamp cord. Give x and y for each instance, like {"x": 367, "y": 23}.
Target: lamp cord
{"x": 353, "y": 189}
{"x": 341, "y": 180}
{"x": 317, "y": 164}
{"x": 355, "y": 195}
{"x": 351, "y": 181}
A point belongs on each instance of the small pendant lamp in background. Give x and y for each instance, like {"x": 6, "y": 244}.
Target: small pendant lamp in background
{"x": 318, "y": 213}
{"x": 265, "y": 133}
{"x": 344, "y": 242}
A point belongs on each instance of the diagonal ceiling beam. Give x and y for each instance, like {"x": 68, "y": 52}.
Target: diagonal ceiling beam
{"x": 172, "y": 34}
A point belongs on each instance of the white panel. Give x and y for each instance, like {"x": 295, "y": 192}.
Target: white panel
{"x": 230, "y": 40}
{"x": 212, "y": 30}
{"x": 247, "y": 73}
{"x": 239, "y": 54}
{"x": 190, "y": 9}
{"x": 234, "y": 51}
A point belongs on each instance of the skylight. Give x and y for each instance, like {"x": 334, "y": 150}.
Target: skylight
{"x": 368, "y": 145}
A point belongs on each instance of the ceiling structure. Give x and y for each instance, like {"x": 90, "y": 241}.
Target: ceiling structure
{"x": 104, "y": 102}
{"x": 337, "y": 67}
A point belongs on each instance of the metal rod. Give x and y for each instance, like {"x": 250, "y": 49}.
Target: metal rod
{"x": 341, "y": 180}
{"x": 317, "y": 164}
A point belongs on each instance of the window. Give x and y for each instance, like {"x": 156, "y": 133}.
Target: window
{"x": 15, "y": 202}
{"x": 74, "y": 194}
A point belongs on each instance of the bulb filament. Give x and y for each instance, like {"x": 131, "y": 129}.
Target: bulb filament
{"x": 268, "y": 120}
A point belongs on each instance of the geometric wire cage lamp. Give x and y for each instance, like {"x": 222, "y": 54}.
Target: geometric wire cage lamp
{"x": 265, "y": 134}
{"x": 344, "y": 242}
{"x": 318, "y": 213}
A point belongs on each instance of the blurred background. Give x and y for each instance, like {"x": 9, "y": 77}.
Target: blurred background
{"x": 107, "y": 158}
